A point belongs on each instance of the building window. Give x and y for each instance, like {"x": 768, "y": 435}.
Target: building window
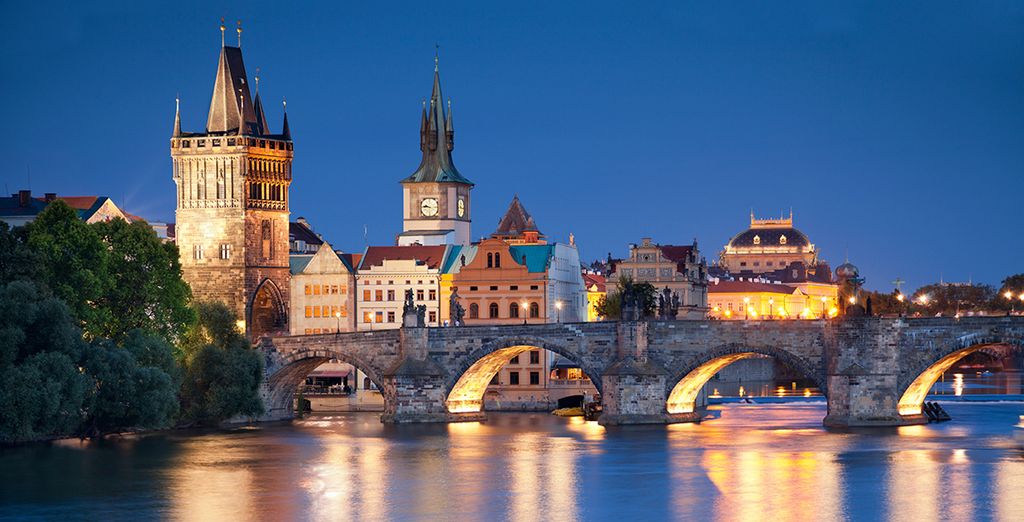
{"x": 757, "y": 263}
{"x": 334, "y": 289}
{"x": 768, "y": 263}
{"x": 432, "y": 295}
{"x": 378, "y": 295}
{"x": 197, "y": 251}
{"x": 366, "y": 295}
{"x": 367, "y": 317}
{"x": 309, "y": 289}
{"x": 513, "y": 378}
{"x": 627, "y": 272}
{"x": 378, "y": 317}
{"x": 316, "y": 311}
{"x": 221, "y": 194}
{"x": 316, "y": 289}
{"x": 472, "y": 289}
{"x": 514, "y": 288}
{"x": 493, "y": 311}
{"x": 391, "y": 295}
{"x": 268, "y": 245}
{"x": 419, "y": 295}
{"x": 497, "y": 260}
{"x": 432, "y": 317}
{"x": 534, "y": 287}
{"x": 309, "y": 311}
{"x": 474, "y": 311}
{"x": 490, "y": 260}
{"x": 513, "y": 310}
{"x": 743, "y": 263}
{"x": 534, "y": 378}
{"x": 782, "y": 240}
{"x": 666, "y": 272}
{"x": 391, "y": 317}
{"x": 534, "y": 310}
{"x": 534, "y": 356}
{"x": 757, "y": 240}
{"x": 343, "y": 310}
{"x": 514, "y": 360}
{"x": 495, "y": 381}
{"x": 494, "y": 288}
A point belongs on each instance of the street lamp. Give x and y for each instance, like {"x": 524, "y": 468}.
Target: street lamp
{"x": 771, "y": 303}
{"x": 900, "y": 297}
{"x": 823, "y": 301}
{"x": 337, "y": 315}
{"x": 525, "y": 310}
{"x": 746, "y": 308}
{"x": 1009, "y": 296}
{"x": 558, "y": 307}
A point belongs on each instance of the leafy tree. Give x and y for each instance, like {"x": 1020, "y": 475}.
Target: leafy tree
{"x": 949, "y": 300}
{"x": 610, "y": 306}
{"x": 1015, "y": 285}
{"x": 149, "y": 292}
{"x": 883, "y": 303}
{"x": 17, "y": 260}
{"x": 72, "y": 263}
{"x": 222, "y": 372}
{"x": 42, "y": 391}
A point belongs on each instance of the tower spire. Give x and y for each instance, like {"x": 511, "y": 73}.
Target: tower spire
{"x": 285, "y": 131}
{"x": 241, "y": 113}
{"x": 239, "y": 29}
{"x": 222, "y": 31}
{"x": 257, "y": 105}
{"x": 177, "y": 117}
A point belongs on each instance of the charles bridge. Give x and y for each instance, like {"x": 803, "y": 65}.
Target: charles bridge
{"x": 872, "y": 371}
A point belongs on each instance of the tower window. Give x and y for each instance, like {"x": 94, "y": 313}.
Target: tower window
{"x": 225, "y": 251}
{"x": 268, "y": 245}
{"x": 197, "y": 251}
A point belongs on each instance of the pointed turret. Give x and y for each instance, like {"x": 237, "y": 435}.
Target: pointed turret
{"x": 436, "y": 141}
{"x": 286, "y": 132}
{"x": 449, "y": 133}
{"x": 517, "y": 223}
{"x": 261, "y": 119}
{"x": 231, "y": 106}
{"x": 177, "y": 118}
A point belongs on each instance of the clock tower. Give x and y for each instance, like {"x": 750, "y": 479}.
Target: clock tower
{"x": 435, "y": 198}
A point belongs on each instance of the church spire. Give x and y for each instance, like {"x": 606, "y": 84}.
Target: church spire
{"x": 436, "y": 140}
{"x": 177, "y": 117}
{"x": 262, "y": 128}
{"x": 449, "y": 133}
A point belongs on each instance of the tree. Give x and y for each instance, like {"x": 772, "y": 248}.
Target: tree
{"x": 149, "y": 292}
{"x": 884, "y": 304}
{"x": 18, "y": 262}
{"x": 1013, "y": 284}
{"x": 610, "y": 305}
{"x": 72, "y": 263}
{"x": 949, "y": 300}
{"x": 222, "y": 371}
{"x": 42, "y": 391}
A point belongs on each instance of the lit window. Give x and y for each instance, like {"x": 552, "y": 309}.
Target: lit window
{"x": 309, "y": 289}
{"x": 378, "y": 317}
{"x": 367, "y": 317}
{"x": 197, "y": 251}
{"x": 309, "y": 311}
{"x": 366, "y": 295}
{"x": 782, "y": 240}
{"x": 327, "y": 311}
{"x": 316, "y": 289}
{"x": 757, "y": 240}
{"x": 316, "y": 311}
{"x": 225, "y": 251}
{"x": 378, "y": 295}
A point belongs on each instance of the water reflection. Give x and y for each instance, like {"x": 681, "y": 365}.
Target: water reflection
{"x": 752, "y": 462}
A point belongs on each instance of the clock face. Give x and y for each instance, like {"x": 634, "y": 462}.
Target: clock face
{"x": 462, "y": 207}
{"x": 429, "y": 207}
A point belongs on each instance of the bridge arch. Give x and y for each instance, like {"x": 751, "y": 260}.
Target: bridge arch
{"x": 292, "y": 368}
{"x": 917, "y": 381}
{"x": 687, "y": 383}
{"x": 467, "y": 385}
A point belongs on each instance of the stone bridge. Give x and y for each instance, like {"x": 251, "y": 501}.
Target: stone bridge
{"x": 873, "y": 371}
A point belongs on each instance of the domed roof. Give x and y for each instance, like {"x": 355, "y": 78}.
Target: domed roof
{"x": 847, "y": 270}
{"x": 773, "y": 236}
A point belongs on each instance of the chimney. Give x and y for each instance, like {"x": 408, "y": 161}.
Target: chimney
{"x": 23, "y": 197}
{"x": 49, "y": 197}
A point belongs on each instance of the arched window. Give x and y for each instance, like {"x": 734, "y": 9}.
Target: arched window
{"x": 494, "y": 311}
{"x": 268, "y": 250}
{"x": 497, "y": 260}
{"x": 490, "y": 260}
{"x": 201, "y": 187}
{"x": 474, "y": 311}
{"x": 220, "y": 186}
{"x": 534, "y": 310}
{"x": 513, "y": 310}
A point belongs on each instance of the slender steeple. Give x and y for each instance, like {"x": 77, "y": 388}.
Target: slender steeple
{"x": 285, "y": 131}
{"x": 449, "y": 133}
{"x": 261, "y": 119}
{"x": 436, "y": 141}
{"x": 177, "y": 118}
{"x": 231, "y": 105}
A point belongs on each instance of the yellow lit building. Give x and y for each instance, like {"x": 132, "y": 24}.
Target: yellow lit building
{"x": 749, "y": 300}
{"x": 596, "y": 291}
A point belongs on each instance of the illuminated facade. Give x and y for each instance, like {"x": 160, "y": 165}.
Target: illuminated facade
{"x": 232, "y": 203}
{"x": 739, "y": 300}
{"x": 322, "y": 291}
{"x": 435, "y": 198}
{"x": 775, "y": 247}
{"x": 596, "y": 290}
{"x": 383, "y": 276}
{"x": 678, "y": 268}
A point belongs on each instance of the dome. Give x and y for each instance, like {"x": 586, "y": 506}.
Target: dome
{"x": 847, "y": 271}
{"x": 773, "y": 236}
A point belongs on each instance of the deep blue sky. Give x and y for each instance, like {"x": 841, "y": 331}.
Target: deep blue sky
{"x": 895, "y": 130}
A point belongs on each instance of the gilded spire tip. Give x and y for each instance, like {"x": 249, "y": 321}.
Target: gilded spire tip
{"x": 239, "y": 29}
{"x": 222, "y": 31}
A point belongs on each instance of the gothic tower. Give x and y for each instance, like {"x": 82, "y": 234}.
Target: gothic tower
{"x": 435, "y": 198}
{"x": 232, "y": 206}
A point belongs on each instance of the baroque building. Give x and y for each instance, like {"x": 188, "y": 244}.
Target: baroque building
{"x": 435, "y": 198}
{"x": 680, "y": 268}
{"x": 232, "y": 210}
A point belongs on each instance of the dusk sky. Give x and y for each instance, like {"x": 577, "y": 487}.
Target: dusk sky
{"x": 898, "y": 135}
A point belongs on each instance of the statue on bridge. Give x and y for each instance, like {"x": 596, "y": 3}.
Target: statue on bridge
{"x": 412, "y": 315}
{"x": 455, "y": 308}
{"x": 668, "y": 304}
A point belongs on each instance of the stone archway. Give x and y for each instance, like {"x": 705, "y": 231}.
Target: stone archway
{"x": 286, "y": 375}
{"x": 467, "y": 386}
{"x": 267, "y": 312}
{"x": 913, "y": 394}
{"x": 682, "y": 397}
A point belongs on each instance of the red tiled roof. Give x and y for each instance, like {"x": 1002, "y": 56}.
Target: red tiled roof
{"x": 732, "y": 287}
{"x": 676, "y": 253}
{"x": 433, "y": 256}
{"x": 594, "y": 279}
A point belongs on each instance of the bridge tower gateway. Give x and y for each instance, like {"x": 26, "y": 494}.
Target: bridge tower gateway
{"x": 232, "y": 202}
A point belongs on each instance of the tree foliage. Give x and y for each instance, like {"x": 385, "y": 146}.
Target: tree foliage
{"x": 948, "y": 300}
{"x": 610, "y": 305}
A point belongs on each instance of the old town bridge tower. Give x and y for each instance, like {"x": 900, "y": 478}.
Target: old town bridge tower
{"x": 232, "y": 202}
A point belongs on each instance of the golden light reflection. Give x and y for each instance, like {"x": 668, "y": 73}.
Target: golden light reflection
{"x": 913, "y": 399}
{"x": 913, "y": 484}
{"x": 211, "y": 482}
{"x": 589, "y": 430}
{"x": 958, "y": 384}
{"x": 684, "y": 395}
{"x": 467, "y": 396}
{"x": 1009, "y": 482}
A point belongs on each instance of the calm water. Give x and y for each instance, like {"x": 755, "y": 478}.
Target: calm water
{"x": 753, "y": 462}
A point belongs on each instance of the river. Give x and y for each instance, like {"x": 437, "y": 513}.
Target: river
{"x": 748, "y": 462}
